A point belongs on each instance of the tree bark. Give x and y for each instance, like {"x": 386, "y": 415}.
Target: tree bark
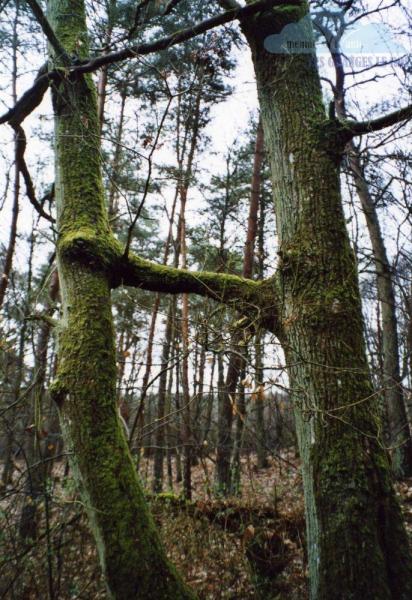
{"x": 131, "y": 555}
{"x": 357, "y": 545}
{"x": 399, "y": 431}
{"x": 159, "y": 452}
{"x": 252, "y": 224}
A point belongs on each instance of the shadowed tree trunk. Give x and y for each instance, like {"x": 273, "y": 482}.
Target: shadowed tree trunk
{"x": 248, "y": 269}
{"x": 399, "y": 431}
{"x": 12, "y": 417}
{"x": 229, "y": 470}
{"x": 224, "y": 429}
{"x": 159, "y": 452}
{"x": 8, "y": 260}
{"x": 259, "y": 351}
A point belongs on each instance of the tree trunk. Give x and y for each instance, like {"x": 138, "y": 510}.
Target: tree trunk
{"x": 229, "y": 470}
{"x": 183, "y": 192}
{"x": 259, "y": 355}
{"x": 357, "y": 546}
{"x": 226, "y": 393}
{"x": 252, "y": 224}
{"x": 131, "y": 555}
{"x": 13, "y": 417}
{"x": 235, "y": 465}
{"x": 262, "y": 460}
{"x": 159, "y": 451}
{"x": 8, "y": 260}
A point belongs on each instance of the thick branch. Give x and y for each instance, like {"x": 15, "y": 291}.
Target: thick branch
{"x": 362, "y": 127}
{"x": 229, "y": 4}
{"x": 258, "y": 300}
{"x": 170, "y": 6}
{"x": 30, "y": 99}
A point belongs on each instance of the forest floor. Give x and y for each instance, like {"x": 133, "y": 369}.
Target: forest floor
{"x": 243, "y": 547}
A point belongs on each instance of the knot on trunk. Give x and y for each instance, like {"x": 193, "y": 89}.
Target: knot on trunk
{"x": 90, "y": 248}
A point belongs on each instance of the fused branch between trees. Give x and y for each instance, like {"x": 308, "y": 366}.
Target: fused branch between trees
{"x": 254, "y": 299}
{"x": 257, "y": 300}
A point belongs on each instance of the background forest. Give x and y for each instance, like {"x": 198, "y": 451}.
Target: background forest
{"x": 203, "y": 391}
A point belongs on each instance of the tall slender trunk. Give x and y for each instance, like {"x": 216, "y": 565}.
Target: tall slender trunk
{"x": 128, "y": 544}
{"x": 159, "y": 451}
{"x": 259, "y": 355}
{"x": 179, "y": 475}
{"x": 235, "y": 463}
{"x": 186, "y": 180}
{"x": 252, "y": 223}
{"x": 13, "y": 416}
{"x": 139, "y": 418}
{"x": 261, "y": 451}
{"x": 187, "y": 424}
{"x": 229, "y": 471}
{"x": 168, "y": 428}
{"x": 399, "y": 431}
{"x": 103, "y": 77}
{"x": 226, "y": 395}
{"x": 357, "y": 546}
{"x": 112, "y": 197}
{"x": 8, "y": 260}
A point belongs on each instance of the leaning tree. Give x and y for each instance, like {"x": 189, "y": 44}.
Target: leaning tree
{"x": 357, "y": 545}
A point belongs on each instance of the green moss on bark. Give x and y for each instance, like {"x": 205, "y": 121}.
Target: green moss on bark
{"x": 130, "y": 551}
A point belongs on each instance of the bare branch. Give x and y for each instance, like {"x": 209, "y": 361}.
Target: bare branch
{"x": 362, "y": 127}
{"x": 21, "y": 163}
{"x": 30, "y": 99}
{"x": 178, "y": 37}
{"x": 170, "y": 6}
{"x": 229, "y": 4}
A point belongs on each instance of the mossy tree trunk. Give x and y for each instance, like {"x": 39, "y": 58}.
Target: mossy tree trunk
{"x": 357, "y": 546}
{"x": 133, "y": 561}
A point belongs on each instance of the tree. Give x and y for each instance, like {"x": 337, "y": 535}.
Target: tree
{"x": 357, "y": 544}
